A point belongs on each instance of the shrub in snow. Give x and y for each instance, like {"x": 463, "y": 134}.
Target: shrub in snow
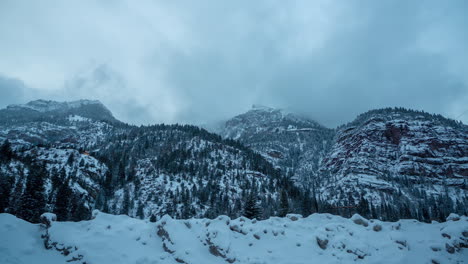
{"x": 377, "y": 228}
{"x": 47, "y": 219}
{"x": 94, "y": 213}
{"x": 359, "y": 220}
{"x": 453, "y": 217}
{"x": 294, "y": 217}
{"x": 152, "y": 219}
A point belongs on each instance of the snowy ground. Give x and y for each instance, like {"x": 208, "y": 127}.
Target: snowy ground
{"x": 320, "y": 238}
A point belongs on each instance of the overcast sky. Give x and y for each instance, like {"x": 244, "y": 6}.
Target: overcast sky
{"x": 203, "y": 61}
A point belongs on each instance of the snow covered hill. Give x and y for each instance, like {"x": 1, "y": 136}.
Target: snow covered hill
{"x": 183, "y": 171}
{"x": 319, "y": 238}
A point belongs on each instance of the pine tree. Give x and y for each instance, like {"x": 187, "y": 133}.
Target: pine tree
{"x": 140, "y": 213}
{"x": 284, "y": 204}
{"x": 6, "y": 184}
{"x": 62, "y": 204}
{"x": 251, "y": 208}
{"x": 6, "y": 153}
{"x": 33, "y": 199}
{"x": 71, "y": 159}
{"x": 126, "y": 202}
{"x": 152, "y": 218}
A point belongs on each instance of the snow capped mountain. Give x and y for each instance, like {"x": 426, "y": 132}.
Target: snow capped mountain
{"x": 398, "y": 155}
{"x": 393, "y": 159}
{"x": 387, "y": 164}
{"x": 183, "y": 171}
{"x": 291, "y": 142}
{"x": 48, "y": 106}
{"x": 78, "y": 124}
{"x": 55, "y": 112}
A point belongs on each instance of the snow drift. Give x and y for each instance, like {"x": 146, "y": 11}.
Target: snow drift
{"x": 319, "y": 238}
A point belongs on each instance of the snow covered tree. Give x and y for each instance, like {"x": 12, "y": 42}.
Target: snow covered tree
{"x": 251, "y": 208}
{"x": 33, "y": 199}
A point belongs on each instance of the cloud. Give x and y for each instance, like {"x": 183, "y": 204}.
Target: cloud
{"x": 198, "y": 62}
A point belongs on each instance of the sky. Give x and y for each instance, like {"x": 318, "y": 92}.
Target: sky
{"x": 205, "y": 61}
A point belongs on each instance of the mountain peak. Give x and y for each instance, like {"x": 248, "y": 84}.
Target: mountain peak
{"x": 49, "y": 105}
{"x": 39, "y": 109}
{"x": 262, "y": 108}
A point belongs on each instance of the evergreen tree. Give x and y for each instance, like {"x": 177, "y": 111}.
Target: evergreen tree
{"x": 251, "y": 208}
{"x": 71, "y": 159}
{"x": 126, "y": 202}
{"x": 33, "y": 199}
{"x": 140, "y": 213}
{"x": 6, "y": 153}
{"x": 62, "y": 202}
{"x": 6, "y": 185}
{"x": 152, "y": 218}
{"x": 284, "y": 204}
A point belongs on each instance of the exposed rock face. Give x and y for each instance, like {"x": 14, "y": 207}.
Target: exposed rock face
{"x": 397, "y": 157}
{"x": 396, "y": 152}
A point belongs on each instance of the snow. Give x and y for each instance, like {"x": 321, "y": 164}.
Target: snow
{"x": 291, "y": 240}
{"x": 77, "y": 118}
{"x": 21, "y": 243}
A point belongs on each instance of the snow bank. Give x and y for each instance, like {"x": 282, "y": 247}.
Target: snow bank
{"x": 319, "y": 238}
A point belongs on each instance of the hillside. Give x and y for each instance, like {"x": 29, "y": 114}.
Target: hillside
{"x": 406, "y": 163}
{"x": 86, "y": 161}
{"x": 291, "y": 142}
{"x": 391, "y": 163}
{"x": 388, "y": 164}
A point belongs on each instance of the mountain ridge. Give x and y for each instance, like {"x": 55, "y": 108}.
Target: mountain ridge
{"x": 185, "y": 171}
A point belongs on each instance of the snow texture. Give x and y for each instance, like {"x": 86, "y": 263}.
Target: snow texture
{"x": 319, "y": 238}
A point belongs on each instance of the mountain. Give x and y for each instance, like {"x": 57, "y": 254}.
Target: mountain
{"x": 399, "y": 158}
{"x": 80, "y": 123}
{"x": 42, "y": 109}
{"x": 85, "y": 159}
{"x": 73, "y": 157}
{"x": 391, "y": 163}
{"x": 293, "y": 143}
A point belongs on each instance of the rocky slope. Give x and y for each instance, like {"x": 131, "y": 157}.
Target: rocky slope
{"x": 182, "y": 171}
{"x": 398, "y": 156}
{"x": 293, "y": 143}
{"x": 392, "y": 162}
{"x": 77, "y": 124}
{"x": 388, "y": 164}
